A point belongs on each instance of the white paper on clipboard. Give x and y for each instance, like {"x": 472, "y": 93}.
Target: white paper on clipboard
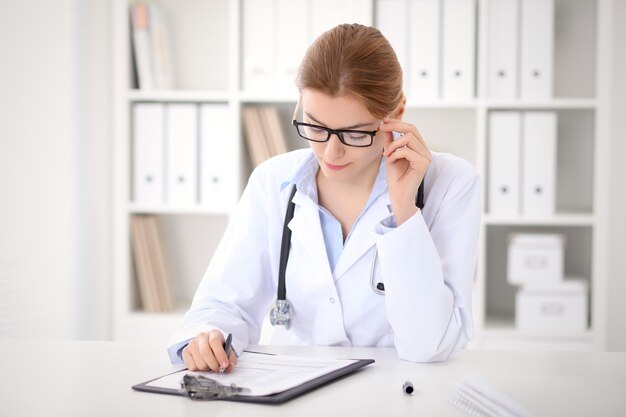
{"x": 263, "y": 374}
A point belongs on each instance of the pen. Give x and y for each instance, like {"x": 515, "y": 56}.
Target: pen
{"x": 227, "y": 347}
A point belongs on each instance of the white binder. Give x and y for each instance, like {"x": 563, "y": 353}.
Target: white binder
{"x": 537, "y": 45}
{"x": 148, "y": 142}
{"x": 258, "y": 45}
{"x": 423, "y": 70}
{"x": 218, "y": 159}
{"x": 182, "y": 148}
{"x": 391, "y": 21}
{"x": 539, "y": 133}
{"x": 291, "y": 42}
{"x": 503, "y": 49}
{"x": 504, "y": 163}
{"x": 327, "y": 14}
{"x": 459, "y": 21}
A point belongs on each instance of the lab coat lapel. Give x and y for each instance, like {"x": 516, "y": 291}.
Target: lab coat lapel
{"x": 307, "y": 232}
{"x": 363, "y": 236}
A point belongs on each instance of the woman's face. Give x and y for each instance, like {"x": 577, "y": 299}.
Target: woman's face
{"x": 339, "y": 162}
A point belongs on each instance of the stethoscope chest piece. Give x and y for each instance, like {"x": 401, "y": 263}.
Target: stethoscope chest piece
{"x": 281, "y": 314}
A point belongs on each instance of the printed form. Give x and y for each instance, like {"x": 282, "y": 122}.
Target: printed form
{"x": 263, "y": 374}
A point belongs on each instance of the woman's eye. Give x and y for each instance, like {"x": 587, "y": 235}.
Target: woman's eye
{"x": 354, "y": 136}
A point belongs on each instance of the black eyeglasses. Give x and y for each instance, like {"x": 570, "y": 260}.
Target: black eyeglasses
{"x": 349, "y": 137}
{"x": 315, "y": 133}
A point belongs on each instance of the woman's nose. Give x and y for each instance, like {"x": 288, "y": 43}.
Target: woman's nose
{"x": 334, "y": 148}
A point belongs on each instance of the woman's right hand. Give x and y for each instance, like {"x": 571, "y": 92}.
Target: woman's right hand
{"x": 206, "y": 352}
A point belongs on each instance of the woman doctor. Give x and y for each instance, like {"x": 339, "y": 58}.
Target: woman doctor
{"x": 355, "y": 222}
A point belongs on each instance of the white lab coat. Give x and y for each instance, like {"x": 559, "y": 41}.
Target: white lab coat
{"x": 427, "y": 265}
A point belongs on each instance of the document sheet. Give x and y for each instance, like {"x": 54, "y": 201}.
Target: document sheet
{"x": 264, "y": 374}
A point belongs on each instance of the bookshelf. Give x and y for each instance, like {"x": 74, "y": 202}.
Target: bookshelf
{"x": 209, "y": 69}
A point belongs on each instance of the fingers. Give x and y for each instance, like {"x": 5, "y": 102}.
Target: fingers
{"x": 200, "y": 355}
{"x": 410, "y": 138}
{"x": 232, "y": 360}
{"x": 188, "y": 358}
{"x": 216, "y": 341}
{"x": 206, "y": 353}
{"x": 394, "y": 125}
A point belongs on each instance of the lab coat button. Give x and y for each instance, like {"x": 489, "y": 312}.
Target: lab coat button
{"x": 332, "y": 300}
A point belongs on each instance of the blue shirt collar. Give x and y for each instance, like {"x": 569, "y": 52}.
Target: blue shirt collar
{"x": 303, "y": 176}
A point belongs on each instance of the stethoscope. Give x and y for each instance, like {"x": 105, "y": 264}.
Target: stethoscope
{"x": 281, "y": 313}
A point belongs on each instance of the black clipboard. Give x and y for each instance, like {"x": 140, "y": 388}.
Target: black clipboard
{"x": 277, "y": 398}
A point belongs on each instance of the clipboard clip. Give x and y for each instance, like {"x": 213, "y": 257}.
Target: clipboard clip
{"x": 198, "y": 387}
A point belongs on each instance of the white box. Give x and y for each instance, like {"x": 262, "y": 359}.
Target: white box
{"x": 504, "y": 163}
{"x": 535, "y": 259}
{"x": 539, "y": 145}
{"x": 562, "y": 308}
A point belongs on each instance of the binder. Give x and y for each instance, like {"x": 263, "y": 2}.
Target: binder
{"x": 539, "y": 166}
{"x": 423, "y": 68}
{"x": 503, "y": 49}
{"x": 273, "y": 131}
{"x": 218, "y": 159}
{"x": 182, "y": 147}
{"x": 504, "y": 163}
{"x": 160, "y": 267}
{"x": 258, "y": 44}
{"x": 277, "y": 398}
{"x": 142, "y": 50}
{"x": 327, "y": 14}
{"x": 148, "y": 143}
{"x": 161, "y": 52}
{"x": 392, "y": 22}
{"x": 255, "y": 139}
{"x": 143, "y": 267}
{"x": 458, "y": 47}
{"x": 537, "y": 46}
{"x": 291, "y": 43}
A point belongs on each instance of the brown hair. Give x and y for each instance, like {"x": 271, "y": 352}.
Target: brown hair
{"x": 357, "y": 60}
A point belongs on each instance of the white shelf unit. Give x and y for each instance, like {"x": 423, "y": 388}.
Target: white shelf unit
{"x": 213, "y": 29}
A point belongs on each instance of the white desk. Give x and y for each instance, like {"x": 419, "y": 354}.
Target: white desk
{"x": 65, "y": 378}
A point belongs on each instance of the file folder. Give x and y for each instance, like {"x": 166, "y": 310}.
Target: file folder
{"x": 291, "y": 43}
{"x": 327, "y": 14}
{"x": 537, "y": 49}
{"x": 503, "y": 49}
{"x": 539, "y": 166}
{"x": 423, "y": 69}
{"x": 459, "y": 27}
{"x": 148, "y": 143}
{"x": 218, "y": 159}
{"x": 182, "y": 150}
{"x": 276, "y": 398}
{"x": 258, "y": 44}
{"x": 504, "y": 163}
{"x": 392, "y": 22}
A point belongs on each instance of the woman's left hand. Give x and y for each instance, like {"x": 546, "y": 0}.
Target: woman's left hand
{"x": 408, "y": 158}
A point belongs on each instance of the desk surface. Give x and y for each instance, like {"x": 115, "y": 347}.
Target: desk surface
{"x": 82, "y": 378}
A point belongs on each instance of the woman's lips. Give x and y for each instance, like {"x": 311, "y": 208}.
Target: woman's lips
{"x": 335, "y": 167}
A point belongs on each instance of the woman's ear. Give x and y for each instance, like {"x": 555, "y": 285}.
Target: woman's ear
{"x": 400, "y": 111}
